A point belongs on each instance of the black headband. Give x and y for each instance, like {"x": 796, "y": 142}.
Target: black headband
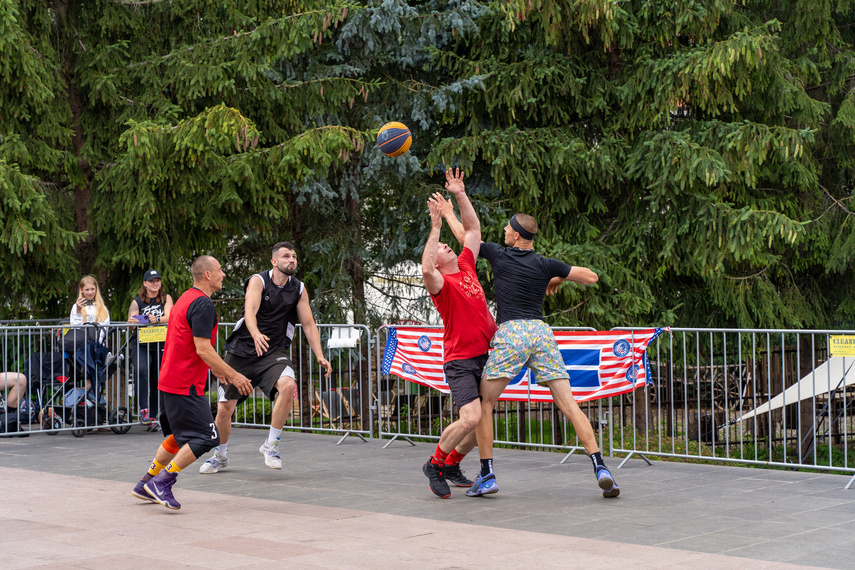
{"x": 524, "y": 233}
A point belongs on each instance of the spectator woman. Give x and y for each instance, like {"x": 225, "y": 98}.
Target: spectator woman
{"x": 151, "y": 306}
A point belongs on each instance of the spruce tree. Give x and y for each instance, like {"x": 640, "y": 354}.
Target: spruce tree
{"x": 696, "y": 154}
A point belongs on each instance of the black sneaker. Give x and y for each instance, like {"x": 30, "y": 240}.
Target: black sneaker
{"x": 437, "y": 480}
{"x": 454, "y": 474}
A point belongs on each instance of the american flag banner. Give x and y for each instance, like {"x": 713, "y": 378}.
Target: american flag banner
{"x": 600, "y": 364}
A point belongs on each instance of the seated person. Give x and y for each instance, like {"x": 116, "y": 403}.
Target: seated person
{"x": 16, "y": 384}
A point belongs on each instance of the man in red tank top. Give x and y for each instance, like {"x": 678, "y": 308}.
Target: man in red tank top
{"x": 457, "y": 294}
{"x": 189, "y": 353}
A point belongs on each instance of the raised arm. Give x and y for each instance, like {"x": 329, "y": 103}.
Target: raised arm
{"x": 468, "y": 217}
{"x": 447, "y": 210}
{"x": 431, "y": 275}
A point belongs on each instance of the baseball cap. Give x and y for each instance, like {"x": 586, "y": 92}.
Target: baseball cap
{"x": 151, "y": 274}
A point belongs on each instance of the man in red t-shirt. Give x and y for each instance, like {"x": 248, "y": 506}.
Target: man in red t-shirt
{"x": 188, "y": 354}
{"x": 453, "y": 285}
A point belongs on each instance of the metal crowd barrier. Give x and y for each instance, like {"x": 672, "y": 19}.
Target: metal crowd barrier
{"x": 69, "y": 385}
{"x": 756, "y": 397}
{"x": 60, "y": 395}
{"x": 340, "y": 404}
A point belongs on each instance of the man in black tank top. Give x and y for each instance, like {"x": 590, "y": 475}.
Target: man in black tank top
{"x": 259, "y": 348}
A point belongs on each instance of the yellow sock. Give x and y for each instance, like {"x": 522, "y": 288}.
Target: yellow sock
{"x": 172, "y": 468}
{"x": 155, "y": 468}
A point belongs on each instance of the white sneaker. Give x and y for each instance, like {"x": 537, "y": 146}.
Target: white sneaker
{"x": 214, "y": 464}
{"x": 270, "y": 451}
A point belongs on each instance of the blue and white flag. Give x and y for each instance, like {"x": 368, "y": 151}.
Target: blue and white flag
{"x": 600, "y": 364}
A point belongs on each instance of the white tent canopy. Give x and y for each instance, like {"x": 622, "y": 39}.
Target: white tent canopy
{"x": 834, "y": 373}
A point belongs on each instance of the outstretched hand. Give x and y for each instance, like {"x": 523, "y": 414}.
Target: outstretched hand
{"x": 435, "y": 213}
{"x": 447, "y": 208}
{"x": 454, "y": 181}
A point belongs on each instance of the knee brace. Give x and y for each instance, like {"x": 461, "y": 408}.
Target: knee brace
{"x": 170, "y": 445}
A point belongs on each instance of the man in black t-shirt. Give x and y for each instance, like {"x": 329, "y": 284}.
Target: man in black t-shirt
{"x": 259, "y": 348}
{"x": 522, "y": 278}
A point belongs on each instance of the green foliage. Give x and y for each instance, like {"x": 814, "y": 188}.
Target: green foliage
{"x": 698, "y": 155}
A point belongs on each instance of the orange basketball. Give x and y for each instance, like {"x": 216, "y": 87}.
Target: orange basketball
{"x": 394, "y": 139}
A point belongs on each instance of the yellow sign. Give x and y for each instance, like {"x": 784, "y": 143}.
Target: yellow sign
{"x": 842, "y": 345}
{"x": 151, "y": 334}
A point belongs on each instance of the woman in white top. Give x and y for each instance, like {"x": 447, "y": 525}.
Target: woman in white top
{"x": 89, "y": 307}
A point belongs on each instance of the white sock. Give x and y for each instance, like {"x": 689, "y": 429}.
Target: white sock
{"x": 223, "y": 448}
{"x": 274, "y": 435}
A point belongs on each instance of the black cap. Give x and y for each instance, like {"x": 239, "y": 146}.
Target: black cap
{"x": 151, "y": 275}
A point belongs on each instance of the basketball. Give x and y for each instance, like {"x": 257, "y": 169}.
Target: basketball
{"x": 394, "y": 139}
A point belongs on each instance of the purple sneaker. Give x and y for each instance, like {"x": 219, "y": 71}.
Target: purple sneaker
{"x": 160, "y": 489}
{"x": 139, "y": 492}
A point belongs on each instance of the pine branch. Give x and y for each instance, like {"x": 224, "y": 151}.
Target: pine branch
{"x": 836, "y": 201}
{"x": 235, "y": 36}
{"x": 608, "y": 230}
{"x": 571, "y": 309}
{"x": 747, "y": 277}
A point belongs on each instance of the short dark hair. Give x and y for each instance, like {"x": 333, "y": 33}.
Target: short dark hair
{"x": 280, "y": 245}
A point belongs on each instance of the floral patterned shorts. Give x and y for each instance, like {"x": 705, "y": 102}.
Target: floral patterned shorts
{"x": 525, "y": 343}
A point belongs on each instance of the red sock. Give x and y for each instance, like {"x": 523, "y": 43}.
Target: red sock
{"x": 438, "y": 456}
{"x": 454, "y": 458}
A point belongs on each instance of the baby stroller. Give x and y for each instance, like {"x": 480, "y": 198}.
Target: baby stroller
{"x": 60, "y": 381}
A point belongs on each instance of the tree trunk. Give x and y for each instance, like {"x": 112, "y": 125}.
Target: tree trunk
{"x": 355, "y": 263}
{"x": 85, "y": 251}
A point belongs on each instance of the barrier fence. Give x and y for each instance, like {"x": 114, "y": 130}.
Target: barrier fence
{"x": 104, "y": 377}
{"x": 778, "y": 398}
{"x": 764, "y": 397}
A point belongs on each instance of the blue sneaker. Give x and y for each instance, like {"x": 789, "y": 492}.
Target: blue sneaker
{"x": 139, "y": 492}
{"x": 607, "y": 483}
{"x": 160, "y": 489}
{"x": 483, "y": 485}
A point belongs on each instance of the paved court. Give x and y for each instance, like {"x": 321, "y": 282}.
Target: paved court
{"x": 66, "y": 503}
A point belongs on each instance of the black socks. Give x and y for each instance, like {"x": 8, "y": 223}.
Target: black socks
{"x": 597, "y": 460}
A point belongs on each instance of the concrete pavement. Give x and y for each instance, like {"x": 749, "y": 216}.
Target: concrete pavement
{"x": 66, "y": 503}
